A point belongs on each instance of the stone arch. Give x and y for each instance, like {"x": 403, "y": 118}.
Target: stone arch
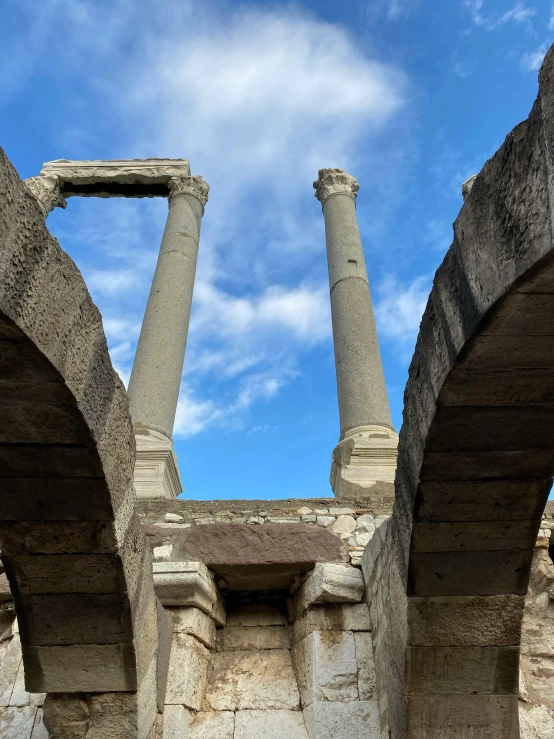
{"x": 71, "y": 543}
{"x": 476, "y": 453}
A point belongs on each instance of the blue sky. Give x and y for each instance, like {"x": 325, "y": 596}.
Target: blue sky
{"x": 410, "y": 97}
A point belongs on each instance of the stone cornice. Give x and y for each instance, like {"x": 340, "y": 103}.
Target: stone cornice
{"x": 193, "y": 185}
{"x": 47, "y": 191}
{"x": 335, "y": 182}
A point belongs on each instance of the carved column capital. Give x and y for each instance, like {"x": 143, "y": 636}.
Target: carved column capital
{"x": 47, "y": 191}
{"x": 193, "y": 185}
{"x": 467, "y": 186}
{"x": 335, "y": 182}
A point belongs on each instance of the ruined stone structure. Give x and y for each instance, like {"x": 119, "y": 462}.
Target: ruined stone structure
{"x": 126, "y": 613}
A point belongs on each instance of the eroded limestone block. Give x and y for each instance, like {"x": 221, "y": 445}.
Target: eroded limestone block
{"x": 269, "y": 725}
{"x": 19, "y": 696}
{"x": 193, "y": 621}
{"x": 256, "y": 614}
{"x": 336, "y": 617}
{"x": 10, "y": 659}
{"x": 188, "y": 671}
{"x": 444, "y": 621}
{"x": 252, "y": 637}
{"x": 213, "y": 725}
{"x": 367, "y": 679}
{"x": 185, "y": 584}
{"x": 330, "y": 583}
{"x": 39, "y": 729}
{"x": 261, "y": 680}
{"x": 176, "y": 722}
{"x": 344, "y": 720}
{"x": 17, "y": 722}
{"x": 326, "y": 667}
{"x": 536, "y": 722}
{"x": 66, "y": 716}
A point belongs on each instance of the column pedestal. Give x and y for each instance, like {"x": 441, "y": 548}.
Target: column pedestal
{"x": 365, "y": 457}
{"x": 156, "y": 470}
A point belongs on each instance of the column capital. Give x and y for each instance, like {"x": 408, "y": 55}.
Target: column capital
{"x": 335, "y": 182}
{"x": 47, "y": 191}
{"x": 468, "y": 185}
{"x": 193, "y": 185}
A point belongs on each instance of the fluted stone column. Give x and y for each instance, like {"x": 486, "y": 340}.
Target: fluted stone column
{"x": 366, "y": 453}
{"x": 156, "y": 376}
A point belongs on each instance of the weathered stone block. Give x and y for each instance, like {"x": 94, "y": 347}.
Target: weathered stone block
{"x": 326, "y": 667}
{"x": 462, "y": 670}
{"x": 536, "y": 722}
{"x": 465, "y": 620}
{"x": 467, "y": 716}
{"x": 10, "y": 659}
{"x": 339, "y": 617}
{"x": 213, "y": 725}
{"x": 256, "y": 614}
{"x": 270, "y": 725}
{"x": 252, "y": 637}
{"x": 77, "y": 618}
{"x": 188, "y": 671}
{"x": 176, "y": 722}
{"x": 66, "y": 573}
{"x": 165, "y": 638}
{"x": 185, "y": 584}
{"x": 17, "y": 722}
{"x": 469, "y": 573}
{"x": 330, "y": 583}
{"x": 344, "y": 720}
{"x": 83, "y": 668}
{"x": 193, "y": 621}
{"x": 261, "y": 680}
{"x": 39, "y": 729}
{"x": 367, "y": 679}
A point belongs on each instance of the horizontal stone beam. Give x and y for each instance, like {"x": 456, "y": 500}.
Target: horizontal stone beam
{"x": 112, "y": 178}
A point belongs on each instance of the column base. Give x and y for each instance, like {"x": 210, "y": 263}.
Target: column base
{"x": 364, "y": 462}
{"x": 156, "y": 471}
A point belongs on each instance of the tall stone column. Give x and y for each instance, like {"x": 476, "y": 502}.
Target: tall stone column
{"x": 158, "y": 366}
{"x": 367, "y": 448}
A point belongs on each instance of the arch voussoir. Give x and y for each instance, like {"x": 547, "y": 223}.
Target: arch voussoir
{"x": 476, "y": 453}
{"x": 71, "y": 543}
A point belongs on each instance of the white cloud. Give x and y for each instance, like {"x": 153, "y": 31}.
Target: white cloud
{"x": 399, "y": 309}
{"x": 532, "y": 60}
{"x": 551, "y": 19}
{"x": 193, "y": 415}
{"x": 520, "y": 13}
{"x": 259, "y": 98}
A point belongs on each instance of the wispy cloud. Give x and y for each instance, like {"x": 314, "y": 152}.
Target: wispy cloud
{"x": 531, "y": 61}
{"x": 520, "y": 13}
{"x": 258, "y": 98}
{"x": 551, "y": 19}
{"x": 400, "y": 306}
{"x": 390, "y": 9}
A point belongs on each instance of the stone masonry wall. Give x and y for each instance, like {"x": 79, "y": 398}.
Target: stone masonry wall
{"x": 353, "y": 522}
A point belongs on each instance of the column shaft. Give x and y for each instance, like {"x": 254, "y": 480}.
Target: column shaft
{"x": 157, "y": 370}
{"x": 364, "y": 460}
{"x": 361, "y": 385}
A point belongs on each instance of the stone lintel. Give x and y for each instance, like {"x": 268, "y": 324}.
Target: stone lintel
{"x": 130, "y": 178}
{"x": 156, "y": 471}
{"x": 365, "y": 457}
